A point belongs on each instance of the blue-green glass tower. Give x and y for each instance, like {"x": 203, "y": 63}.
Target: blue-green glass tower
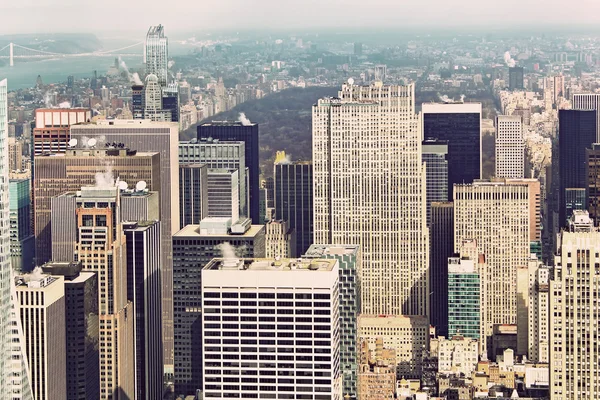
{"x": 22, "y": 245}
{"x": 464, "y": 298}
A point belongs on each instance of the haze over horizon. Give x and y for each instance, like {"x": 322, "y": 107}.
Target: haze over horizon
{"x": 28, "y": 16}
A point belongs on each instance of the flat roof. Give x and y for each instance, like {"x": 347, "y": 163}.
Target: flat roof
{"x": 193, "y": 231}
{"x": 334, "y": 249}
{"x": 270, "y": 264}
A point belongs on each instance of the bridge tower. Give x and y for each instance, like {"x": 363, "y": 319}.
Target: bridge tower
{"x": 12, "y": 61}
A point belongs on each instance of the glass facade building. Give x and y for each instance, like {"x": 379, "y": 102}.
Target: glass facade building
{"x": 22, "y": 243}
{"x": 464, "y": 302}
{"x": 435, "y": 156}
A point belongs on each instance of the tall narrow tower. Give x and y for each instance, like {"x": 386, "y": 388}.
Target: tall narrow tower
{"x": 156, "y": 54}
{"x": 369, "y": 189}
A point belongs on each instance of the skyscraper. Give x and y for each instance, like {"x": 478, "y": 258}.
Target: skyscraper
{"x": 306, "y": 287}
{"x": 374, "y": 195}
{"x": 156, "y": 54}
{"x": 293, "y": 183}
{"x": 280, "y": 240}
{"x": 152, "y": 136}
{"x": 589, "y": 101}
{"x": 153, "y": 100}
{"x": 349, "y": 260}
{"x": 170, "y": 100}
{"x": 515, "y": 78}
{"x": 539, "y": 312}
{"x": 464, "y": 297}
{"x": 435, "y": 157}
{"x": 137, "y": 101}
{"x": 573, "y": 325}
{"x": 193, "y": 247}
{"x": 14, "y": 376}
{"x": 52, "y": 128}
{"x": 22, "y": 243}
{"x": 193, "y": 193}
{"x": 592, "y": 174}
{"x": 223, "y": 194}
{"x": 510, "y": 147}
{"x": 577, "y": 132}
{"x": 496, "y": 216}
{"x": 240, "y": 132}
{"x": 460, "y": 125}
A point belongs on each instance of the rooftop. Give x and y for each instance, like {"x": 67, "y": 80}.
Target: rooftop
{"x": 326, "y": 250}
{"x": 266, "y": 264}
{"x": 193, "y": 231}
{"x": 228, "y": 123}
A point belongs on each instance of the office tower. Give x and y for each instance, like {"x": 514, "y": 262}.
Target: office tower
{"x": 535, "y": 205}
{"x": 14, "y": 377}
{"x": 435, "y": 156}
{"x": 464, "y": 297}
{"x": 349, "y": 262}
{"x": 515, "y": 78}
{"x": 240, "y": 132}
{"x": 280, "y": 240}
{"x": 153, "y": 98}
{"x": 82, "y": 329}
{"x": 78, "y": 167}
{"x": 374, "y": 196}
{"x": 575, "y": 290}
{"x": 269, "y": 190}
{"x": 459, "y": 125}
{"x": 41, "y": 305}
{"x": 15, "y": 154}
{"x": 22, "y": 243}
{"x": 305, "y": 287}
{"x": 441, "y": 233}
{"x": 592, "y": 165}
{"x": 408, "y": 336}
{"x": 577, "y": 132}
{"x": 152, "y": 136}
{"x": 100, "y": 248}
{"x": 143, "y": 289}
{"x": 539, "y": 312}
{"x": 139, "y": 205}
{"x": 510, "y": 147}
{"x": 574, "y": 200}
{"x": 293, "y": 200}
{"x": 558, "y": 88}
{"x": 223, "y": 195}
{"x": 589, "y": 101}
{"x": 156, "y": 54}
{"x": 193, "y": 247}
{"x": 496, "y": 216}
{"x": 193, "y": 193}
{"x": 170, "y": 100}
{"x": 219, "y": 155}
{"x": 358, "y": 49}
{"x": 52, "y": 128}
{"x": 137, "y": 101}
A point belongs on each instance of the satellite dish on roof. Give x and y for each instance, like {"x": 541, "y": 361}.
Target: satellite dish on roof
{"x": 350, "y": 81}
{"x": 122, "y": 185}
{"x": 141, "y": 185}
{"x": 72, "y": 142}
{"x": 92, "y": 142}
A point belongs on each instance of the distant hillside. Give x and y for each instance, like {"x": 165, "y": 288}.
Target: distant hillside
{"x": 284, "y": 120}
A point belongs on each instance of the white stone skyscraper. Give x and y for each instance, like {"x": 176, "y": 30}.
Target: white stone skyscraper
{"x": 510, "y": 147}
{"x": 496, "y": 216}
{"x": 156, "y": 54}
{"x": 14, "y": 374}
{"x": 369, "y": 190}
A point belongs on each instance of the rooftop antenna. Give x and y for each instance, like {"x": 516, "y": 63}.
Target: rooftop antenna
{"x": 141, "y": 185}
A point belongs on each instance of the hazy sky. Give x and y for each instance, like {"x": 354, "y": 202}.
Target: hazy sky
{"x": 33, "y": 16}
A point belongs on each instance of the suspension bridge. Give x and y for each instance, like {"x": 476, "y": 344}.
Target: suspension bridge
{"x": 14, "y": 51}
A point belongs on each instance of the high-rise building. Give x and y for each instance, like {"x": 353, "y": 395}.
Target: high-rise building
{"x": 441, "y": 233}
{"x": 170, "y": 100}
{"x": 293, "y": 200}
{"x": 143, "y": 289}
{"x": 152, "y": 136}
{"x": 589, "y": 101}
{"x": 539, "y": 312}
{"x": 14, "y": 376}
{"x": 100, "y": 248}
{"x": 510, "y": 147}
{"x": 280, "y": 240}
{"x": 374, "y": 196}
{"x": 22, "y": 243}
{"x": 78, "y": 167}
{"x": 41, "y": 305}
{"x": 137, "y": 101}
{"x": 193, "y": 193}
{"x": 217, "y": 154}
{"x": 574, "y": 200}
{"x": 535, "y": 205}
{"x": 82, "y": 329}
{"x": 52, "y": 128}
{"x": 496, "y": 216}
{"x": 223, "y": 196}
{"x": 193, "y": 247}
{"x": 464, "y": 297}
{"x": 153, "y": 109}
{"x": 349, "y": 260}
{"x": 460, "y": 125}
{"x": 240, "y": 132}
{"x": 15, "y": 154}
{"x": 573, "y": 325}
{"x": 515, "y": 78}
{"x": 593, "y": 181}
{"x": 577, "y": 132}
{"x": 156, "y": 54}
{"x": 558, "y": 87}
{"x": 435, "y": 156}
{"x": 408, "y": 336}
{"x": 303, "y": 287}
